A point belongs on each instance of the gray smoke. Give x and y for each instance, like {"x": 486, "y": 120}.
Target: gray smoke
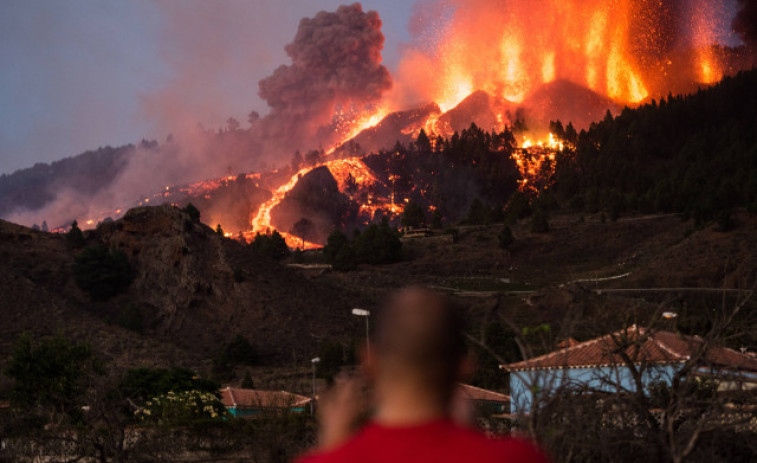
{"x": 745, "y": 22}
{"x": 336, "y": 63}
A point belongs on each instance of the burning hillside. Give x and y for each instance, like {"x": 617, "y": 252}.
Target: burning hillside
{"x": 507, "y": 66}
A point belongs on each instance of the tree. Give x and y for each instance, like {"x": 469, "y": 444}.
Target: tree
{"x": 102, "y": 273}
{"x": 505, "y": 237}
{"x": 422, "y": 143}
{"x": 335, "y": 242}
{"x": 247, "y": 382}
{"x": 232, "y": 124}
{"x": 238, "y": 351}
{"x": 303, "y": 229}
{"x": 192, "y": 212}
{"x": 478, "y": 213}
{"x": 436, "y": 219}
{"x": 540, "y": 222}
{"x": 378, "y": 244}
{"x": 44, "y": 226}
{"x": 130, "y": 318}
{"x": 52, "y": 373}
{"x": 297, "y": 160}
{"x": 413, "y": 216}
{"x": 75, "y": 237}
{"x": 273, "y": 247}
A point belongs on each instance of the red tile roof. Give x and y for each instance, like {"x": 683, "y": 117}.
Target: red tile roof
{"x": 252, "y": 398}
{"x": 650, "y": 347}
{"x": 476, "y": 393}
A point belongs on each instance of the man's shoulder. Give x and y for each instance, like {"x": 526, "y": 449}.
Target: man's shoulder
{"x": 457, "y": 444}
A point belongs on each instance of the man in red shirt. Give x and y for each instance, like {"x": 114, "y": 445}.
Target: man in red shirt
{"x": 418, "y": 357}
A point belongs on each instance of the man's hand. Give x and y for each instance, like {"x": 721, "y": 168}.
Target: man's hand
{"x": 339, "y": 410}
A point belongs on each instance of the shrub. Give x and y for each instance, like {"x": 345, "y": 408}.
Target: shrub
{"x": 192, "y": 212}
{"x": 413, "y": 216}
{"x": 144, "y": 383}
{"x": 540, "y": 222}
{"x": 505, "y": 237}
{"x": 182, "y": 407}
{"x": 378, "y": 244}
{"x": 102, "y": 273}
{"x": 130, "y": 318}
{"x": 273, "y": 247}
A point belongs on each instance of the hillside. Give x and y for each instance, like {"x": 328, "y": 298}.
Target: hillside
{"x": 694, "y": 154}
{"x": 194, "y": 291}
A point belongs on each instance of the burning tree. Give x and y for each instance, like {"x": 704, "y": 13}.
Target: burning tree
{"x": 303, "y": 229}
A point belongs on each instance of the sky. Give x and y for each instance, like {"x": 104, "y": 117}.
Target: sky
{"x": 81, "y": 74}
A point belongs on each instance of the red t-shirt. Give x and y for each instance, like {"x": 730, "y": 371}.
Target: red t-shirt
{"x": 437, "y": 442}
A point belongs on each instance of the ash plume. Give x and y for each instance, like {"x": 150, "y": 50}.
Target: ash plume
{"x": 336, "y": 63}
{"x": 745, "y": 23}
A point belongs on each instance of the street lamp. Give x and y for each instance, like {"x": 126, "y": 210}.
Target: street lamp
{"x": 367, "y": 315}
{"x": 314, "y": 361}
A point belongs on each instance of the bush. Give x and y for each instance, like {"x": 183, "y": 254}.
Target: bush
{"x": 505, "y": 237}
{"x": 52, "y": 372}
{"x": 180, "y": 408}
{"x": 540, "y": 222}
{"x": 413, "y": 216}
{"x": 144, "y": 383}
{"x": 101, "y": 273}
{"x": 378, "y": 244}
{"x": 339, "y": 252}
{"x": 237, "y": 352}
{"x": 130, "y": 318}
{"x": 192, "y": 212}
{"x": 273, "y": 247}
{"x": 75, "y": 237}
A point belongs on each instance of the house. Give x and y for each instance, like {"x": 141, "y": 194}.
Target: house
{"x": 245, "y": 403}
{"x": 601, "y": 365}
{"x": 485, "y": 401}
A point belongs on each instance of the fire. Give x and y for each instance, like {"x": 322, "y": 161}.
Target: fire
{"x": 710, "y": 69}
{"x": 357, "y": 124}
{"x": 342, "y": 170}
{"x": 536, "y": 161}
{"x": 620, "y": 49}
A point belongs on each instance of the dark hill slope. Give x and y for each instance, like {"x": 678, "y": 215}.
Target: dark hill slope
{"x": 184, "y": 288}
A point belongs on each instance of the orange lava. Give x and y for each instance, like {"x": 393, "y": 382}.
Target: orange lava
{"x": 508, "y": 49}
{"x": 341, "y": 169}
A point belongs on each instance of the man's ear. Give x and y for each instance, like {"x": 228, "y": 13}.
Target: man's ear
{"x": 467, "y": 367}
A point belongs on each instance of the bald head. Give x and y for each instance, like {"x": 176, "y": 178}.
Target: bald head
{"x": 420, "y": 335}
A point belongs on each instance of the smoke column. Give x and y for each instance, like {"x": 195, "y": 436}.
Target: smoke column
{"x": 336, "y": 63}
{"x": 745, "y": 23}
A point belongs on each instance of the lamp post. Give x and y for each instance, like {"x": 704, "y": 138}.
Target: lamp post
{"x": 313, "y": 362}
{"x": 367, "y": 315}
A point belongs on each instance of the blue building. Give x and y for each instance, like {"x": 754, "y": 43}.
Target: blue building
{"x": 603, "y": 365}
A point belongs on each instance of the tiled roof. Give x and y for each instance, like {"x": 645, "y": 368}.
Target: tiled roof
{"x": 654, "y": 347}
{"x": 252, "y": 398}
{"x": 476, "y": 393}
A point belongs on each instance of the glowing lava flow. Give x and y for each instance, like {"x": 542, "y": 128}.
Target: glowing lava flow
{"x": 341, "y": 169}
{"x": 536, "y": 162}
{"x": 262, "y": 221}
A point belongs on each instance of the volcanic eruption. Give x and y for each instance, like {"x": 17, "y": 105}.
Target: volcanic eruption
{"x": 495, "y": 63}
